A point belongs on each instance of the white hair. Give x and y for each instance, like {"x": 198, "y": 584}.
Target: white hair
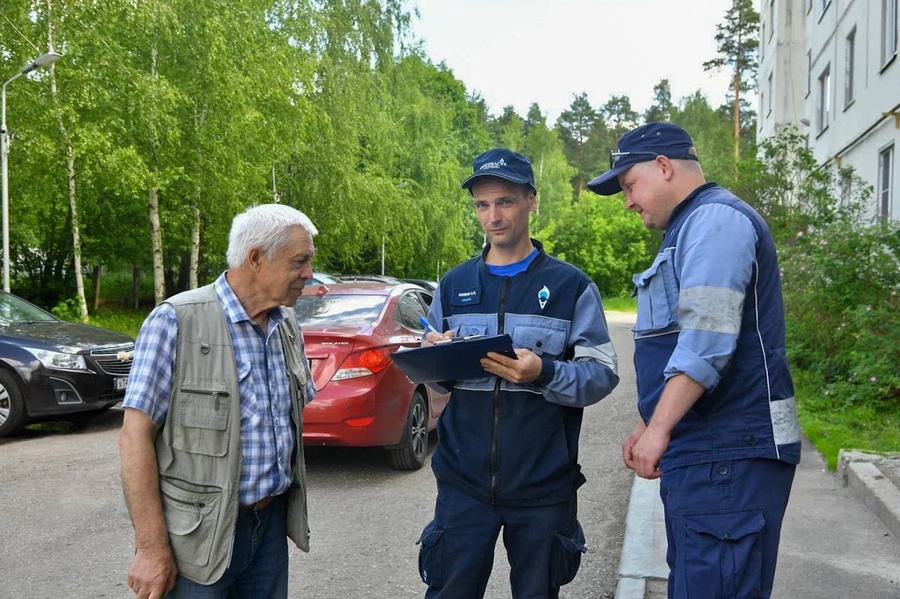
{"x": 265, "y": 227}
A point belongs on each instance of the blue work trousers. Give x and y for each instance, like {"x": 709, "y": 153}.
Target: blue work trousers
{"x": 723, "y": 524}
{"x": 259, "y": 561}
{"x": 543, "y": 544}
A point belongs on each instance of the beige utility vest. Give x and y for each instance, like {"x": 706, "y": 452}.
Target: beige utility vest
{"x": 199, "y": 447}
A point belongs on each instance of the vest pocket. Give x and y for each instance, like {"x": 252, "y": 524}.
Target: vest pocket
{"x": 201, "y": 419}
{"x": 191, "y": 519}
{"x": 657, "y": 295}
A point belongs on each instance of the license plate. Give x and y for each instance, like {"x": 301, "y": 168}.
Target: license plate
{"x": 120, "y": 383}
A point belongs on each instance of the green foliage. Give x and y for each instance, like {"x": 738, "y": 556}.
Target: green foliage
{"x": 841, "y": 278}
{"x": 327, "y": 106}
{"x": 712, "y": 137}
{"x": 832, "y": 424}
{"x": 599, "y": 236}
{"x": 620, "y": 304}
{"x": 120, "y": 319}
{"x": 67, "y": 310}
{"x": 661, "y": 108}
{"x": 842, "y": 281}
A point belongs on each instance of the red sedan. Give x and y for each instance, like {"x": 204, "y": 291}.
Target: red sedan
{"x": 363, "y": 399}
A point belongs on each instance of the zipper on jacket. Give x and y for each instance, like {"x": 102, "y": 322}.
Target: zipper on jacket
{"x": 215, "y": 395}
{"x": 195, "y": 504}
{"x": 495, "y": 433}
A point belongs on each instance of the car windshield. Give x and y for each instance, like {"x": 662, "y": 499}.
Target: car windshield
{"x": 338, "y": 309}
{"x": 17, "y": 311}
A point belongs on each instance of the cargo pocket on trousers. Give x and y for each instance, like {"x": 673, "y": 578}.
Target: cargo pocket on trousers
{"x": 431, "y": 555}
{"x": 722, "y": 554}
{"x": 565, "y": 555}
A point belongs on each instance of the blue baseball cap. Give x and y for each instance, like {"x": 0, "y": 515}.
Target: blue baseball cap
{"x": 504, "y": 164}
{"x": 641, "y": 145}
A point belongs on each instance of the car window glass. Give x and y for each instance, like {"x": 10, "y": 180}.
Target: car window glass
{"x": 338, "y": 309}
{"x": 17, "y": 311}
{"x": 410, "y": 309}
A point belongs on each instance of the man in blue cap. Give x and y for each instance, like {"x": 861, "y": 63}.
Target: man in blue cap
{"x": 507, "y": 452}
{"x": 718, "y": 421}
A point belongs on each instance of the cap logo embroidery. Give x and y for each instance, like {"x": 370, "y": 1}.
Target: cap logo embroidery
{"x": 543, "y": 296}
{"x": 492, "y": 165}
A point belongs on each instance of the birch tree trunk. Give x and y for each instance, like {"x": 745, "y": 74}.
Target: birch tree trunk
{"x": 98, "y": 278}
{"x": 159, "y": 280}
{"x": 195, "y": 249}
{"x": 70, "y": 169}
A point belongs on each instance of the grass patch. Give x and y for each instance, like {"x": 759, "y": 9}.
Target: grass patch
{"x": 123, "y": 320}
{"x": 620, "y": 304}
{"x": 832, "y": 425}
{"x": 56, "y": 427}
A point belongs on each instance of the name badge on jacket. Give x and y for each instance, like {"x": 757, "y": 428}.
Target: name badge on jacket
{"x": 467, "y": 297}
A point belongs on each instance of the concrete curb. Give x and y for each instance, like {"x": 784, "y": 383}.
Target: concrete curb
{"x": 643, "y": 555}
{"x": 860, "y": 471}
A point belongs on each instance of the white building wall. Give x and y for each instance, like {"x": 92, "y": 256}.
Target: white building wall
{"x": 810, "y": 38}
{"x": 783, "y": 56}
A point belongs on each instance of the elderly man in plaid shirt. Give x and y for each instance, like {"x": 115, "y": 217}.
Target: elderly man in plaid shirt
{"x": 211, "y": 447}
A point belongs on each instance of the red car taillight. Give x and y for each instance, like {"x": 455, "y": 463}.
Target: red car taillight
{"x": 363, "y": 363}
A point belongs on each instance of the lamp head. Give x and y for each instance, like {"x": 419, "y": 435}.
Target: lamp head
{"x": 44, "y": 60}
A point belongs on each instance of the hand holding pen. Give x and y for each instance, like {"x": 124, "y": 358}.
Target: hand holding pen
{"x": 432, "y": 335}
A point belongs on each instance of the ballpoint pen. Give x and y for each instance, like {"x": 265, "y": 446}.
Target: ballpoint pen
{"x": 428, "y": 326}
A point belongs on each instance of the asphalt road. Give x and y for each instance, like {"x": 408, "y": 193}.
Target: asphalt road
{"x": 61, "y": 535}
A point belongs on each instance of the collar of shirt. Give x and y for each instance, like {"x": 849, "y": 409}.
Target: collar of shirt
{"x": 235, "y": 311}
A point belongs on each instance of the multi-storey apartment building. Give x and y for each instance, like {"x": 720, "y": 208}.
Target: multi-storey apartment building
{"x": 830, "y": 67}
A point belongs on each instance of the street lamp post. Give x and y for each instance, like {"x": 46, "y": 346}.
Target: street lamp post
{"x": 41, "y": 61}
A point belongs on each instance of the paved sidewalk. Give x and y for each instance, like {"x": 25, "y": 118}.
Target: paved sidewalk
{"x": 839, "y": 540}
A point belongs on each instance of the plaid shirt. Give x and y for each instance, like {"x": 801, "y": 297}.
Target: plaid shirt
{"x": 267, "y": 437}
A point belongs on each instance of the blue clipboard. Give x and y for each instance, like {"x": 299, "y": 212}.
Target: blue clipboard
{"x": 456, "y": 360}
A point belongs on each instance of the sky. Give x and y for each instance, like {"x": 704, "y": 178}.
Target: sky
{"x": 517, "y": 52}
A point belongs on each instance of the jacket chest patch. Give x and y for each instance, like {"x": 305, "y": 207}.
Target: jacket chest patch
{"x": 467, "y": 297}
{"x": 542, "y": 296}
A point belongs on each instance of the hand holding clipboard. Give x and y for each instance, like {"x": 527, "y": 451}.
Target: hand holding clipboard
{"x": 455, "y": 359}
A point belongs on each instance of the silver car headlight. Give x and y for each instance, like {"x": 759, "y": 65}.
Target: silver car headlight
{"x": 57, "y": 360}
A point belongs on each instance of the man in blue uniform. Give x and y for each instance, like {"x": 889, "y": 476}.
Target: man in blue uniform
{"x": 718, "y": 422}
{"x": 507, "y": 453}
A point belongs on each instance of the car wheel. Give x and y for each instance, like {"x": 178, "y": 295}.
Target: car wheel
{"x": 410, "y": 455}
{"x": 12, "y": 405}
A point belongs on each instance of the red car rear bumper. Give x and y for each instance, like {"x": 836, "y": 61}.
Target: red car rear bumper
{"x": 356, "y": 413}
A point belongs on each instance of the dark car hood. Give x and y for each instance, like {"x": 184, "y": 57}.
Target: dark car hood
{"x": 62, "y": 334}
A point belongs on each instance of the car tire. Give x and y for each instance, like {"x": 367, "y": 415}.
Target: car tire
{"x": 410, "y": 454}
{"x": 12, "y": 405}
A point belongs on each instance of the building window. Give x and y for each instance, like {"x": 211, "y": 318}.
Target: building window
{"x": 825, "y": 4}
{"x": 769, "y": 106}
{"x": 850, "y": 58}
{"x": 824, "y": 106}
{"x": 888, "y": 30}
{"x": 809, "y": 4}
{"x": 846, "y": 187}
{"x": 771, "y": 18}
{"x": 885, "y": 180}
{"x": 762, "y": 43}
{"x": 808, "y": 72}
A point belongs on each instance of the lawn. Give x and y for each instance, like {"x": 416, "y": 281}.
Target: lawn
{"x": 852, "y": 426}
